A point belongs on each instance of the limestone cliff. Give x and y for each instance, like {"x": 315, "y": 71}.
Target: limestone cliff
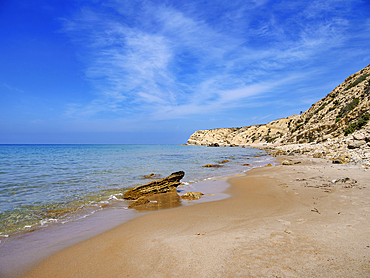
{"x": 342, "y": 112}
{"x": 243, "y": 135}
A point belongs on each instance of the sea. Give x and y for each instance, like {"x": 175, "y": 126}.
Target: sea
{"x": 43, "y": 186}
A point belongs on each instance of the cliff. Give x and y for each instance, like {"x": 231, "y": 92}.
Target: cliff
{"x": 333, "y": 126}
{"x": 224, "y": 137}
{"x": 342, "y": 112}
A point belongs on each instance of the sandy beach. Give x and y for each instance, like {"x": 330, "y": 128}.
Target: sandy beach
{"x": 299, "y": 220}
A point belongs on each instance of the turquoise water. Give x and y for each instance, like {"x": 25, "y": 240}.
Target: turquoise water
{"x": 45, "y": 184}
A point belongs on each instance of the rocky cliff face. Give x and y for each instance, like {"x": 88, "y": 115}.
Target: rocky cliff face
{"x": 225, "y": 137}
{"x": 343, "y": 112}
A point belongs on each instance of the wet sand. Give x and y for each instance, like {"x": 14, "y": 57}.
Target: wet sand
{"x": 23, "y": 251}
{"x": 281, "y": 221}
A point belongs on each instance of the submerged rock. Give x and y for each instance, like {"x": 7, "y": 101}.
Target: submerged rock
{"x": 212, "y": 165}
{"x": 192, "y": 195}
{"x": 164, "y": 185}
{"x": 141, "y": 201}
{"x": 152, "y": 176}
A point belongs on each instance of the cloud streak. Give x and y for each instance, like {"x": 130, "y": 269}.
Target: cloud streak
{"x": 167, "y": 61}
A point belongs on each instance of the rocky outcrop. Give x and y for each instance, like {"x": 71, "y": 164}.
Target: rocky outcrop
{"x": 228, "y": 137}
{"x": 343, "y": 149}
{"x": 164, "y": 185}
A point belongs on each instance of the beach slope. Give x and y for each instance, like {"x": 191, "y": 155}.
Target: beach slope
{"x": 299, "y": 220}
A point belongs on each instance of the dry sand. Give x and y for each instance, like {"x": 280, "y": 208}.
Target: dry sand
{"x": 281, "y": 221}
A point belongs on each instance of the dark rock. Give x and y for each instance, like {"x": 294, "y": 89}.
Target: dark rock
{"x": 341, "y": 159}
{"x": 164, "y": 185}
{"x": 213, "y": 145}
{"x": 286, "y": 162}
{"x": 224, "y": 161}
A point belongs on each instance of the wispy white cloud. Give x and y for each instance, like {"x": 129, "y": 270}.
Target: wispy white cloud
{"x": 159, "y": 61}
{"x": 12, "y": 88}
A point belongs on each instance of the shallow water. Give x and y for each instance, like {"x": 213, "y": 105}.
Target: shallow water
{"x": 42, "y": 185}
{"x": 57, "y": 206}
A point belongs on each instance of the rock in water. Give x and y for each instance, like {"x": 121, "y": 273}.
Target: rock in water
{"x": 164, "y": 185}
{"x": 192, "y": 195}
{"x": 212, "y": 165}
{"x": 141, "y": 201}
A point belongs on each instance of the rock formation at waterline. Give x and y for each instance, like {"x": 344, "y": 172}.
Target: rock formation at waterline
{"x": 336, "y": 126}
{"x": 164, "y": 185}
{"x": 226, "y": 137}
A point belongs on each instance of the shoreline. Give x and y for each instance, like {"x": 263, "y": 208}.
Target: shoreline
{"x": 287, "y": 221}
{"x": 27, "y": 249}
{"x": 22, "y": 250}
{"x": 96, "y": 184}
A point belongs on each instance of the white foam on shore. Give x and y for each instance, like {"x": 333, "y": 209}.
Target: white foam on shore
{"x": 47, "y": 221}
{"x": 113, "y": 197}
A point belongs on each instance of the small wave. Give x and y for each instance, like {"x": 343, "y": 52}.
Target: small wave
{"x": 81, "y": 217}
{"x": 113, "y": 197}
{"x": 47, "y": 221}
{"x": 86, "y": 215}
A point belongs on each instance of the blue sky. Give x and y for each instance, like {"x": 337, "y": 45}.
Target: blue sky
{"x": 78, "y": 71}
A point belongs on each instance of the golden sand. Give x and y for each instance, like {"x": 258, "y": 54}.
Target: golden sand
{"x": 281, "y": 221}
